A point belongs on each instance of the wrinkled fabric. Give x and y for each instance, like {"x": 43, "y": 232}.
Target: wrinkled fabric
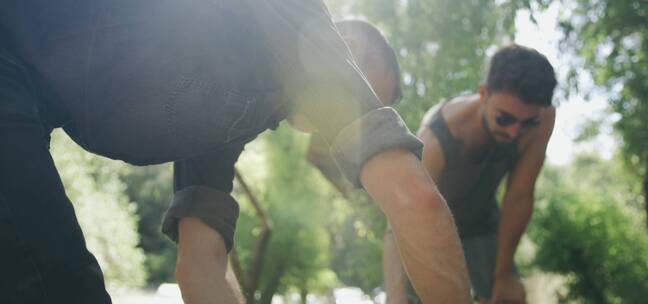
{"x": 149, "y": 82}
{"x": 43, "y": 255}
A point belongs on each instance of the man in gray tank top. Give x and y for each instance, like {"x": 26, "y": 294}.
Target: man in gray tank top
{"x": 471, "y": 143}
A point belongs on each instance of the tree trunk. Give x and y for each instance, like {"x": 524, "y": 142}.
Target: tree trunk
{"x": 303, "y": 293}
{"x": 256, "y": 264}
{"x": 645, "y": 193}
{"x": 273, "y": 284}
{"x": 253, "y": 275}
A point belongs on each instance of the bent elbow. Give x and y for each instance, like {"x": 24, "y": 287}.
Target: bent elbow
{"x": 423, "y": 196}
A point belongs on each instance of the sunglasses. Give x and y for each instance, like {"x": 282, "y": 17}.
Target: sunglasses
{"x": 505, "y": 119}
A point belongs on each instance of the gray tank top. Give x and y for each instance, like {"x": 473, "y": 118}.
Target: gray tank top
{"x": 468, "y": 185}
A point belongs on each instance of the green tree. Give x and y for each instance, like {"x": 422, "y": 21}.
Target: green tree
{"x": 611, "y": 37}
{"x": 442, "y": 44}
{"x": 150, "y": 189}
{"x": 105, "y": 214}
{"x": 357, "y": 239}
{"x": 586, "y": 230}
{"x": 289, "y": 191}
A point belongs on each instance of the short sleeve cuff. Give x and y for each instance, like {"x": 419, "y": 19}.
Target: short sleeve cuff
{"x": 215, "y": 208}
{"x": 379, "y": 130}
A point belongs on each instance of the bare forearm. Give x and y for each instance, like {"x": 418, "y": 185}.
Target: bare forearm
{"x": 201, "y": 267}
{"x": 515, "y": 218}
{"x": 395, "y": 277}
{"x": 432, "y": 254}
{"x": 422, "y": 225}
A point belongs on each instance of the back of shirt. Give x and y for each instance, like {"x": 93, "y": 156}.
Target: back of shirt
{"x": 149, "y": 81}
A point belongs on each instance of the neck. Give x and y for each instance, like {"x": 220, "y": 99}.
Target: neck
{"x": 479, "y": 139}
{"x": 478, "y": 126}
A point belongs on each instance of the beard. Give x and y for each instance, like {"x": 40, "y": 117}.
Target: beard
{"x": 501, "y": 137}
{"x": 496, "y": 137}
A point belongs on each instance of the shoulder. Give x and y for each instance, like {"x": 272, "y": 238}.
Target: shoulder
{"x": 428, "y": 118}
{"x": 458, "y": 108}
{"x": 451, "y": 109}
{"x": 459, "y": 112}
{"x": 434, "y": 157}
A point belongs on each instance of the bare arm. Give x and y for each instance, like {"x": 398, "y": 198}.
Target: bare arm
{"x": 394, "y": 274}
{"x": 395, "y": 277}
{"x": 422, "y": 225}
{"x": 517, "y": 205}
{"x": 201, "y": 268}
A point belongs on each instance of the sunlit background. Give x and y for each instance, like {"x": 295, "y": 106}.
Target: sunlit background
{"x": 587, "y": 242}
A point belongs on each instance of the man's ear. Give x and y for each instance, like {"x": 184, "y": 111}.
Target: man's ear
{"x": 483, "y": 93}
{"x": 301, "y": 123}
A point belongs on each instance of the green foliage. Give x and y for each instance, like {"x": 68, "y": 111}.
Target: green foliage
{"x": 297, "y": 255}
{"x": 318, "y": 238}
{"x": 104, "y": 212}
{"x": 442, "y": 44}
{"x": 612, "y": 38}
{"x": 357, "y": 244}
{"x": 587, "y": 228}
{"x": 588, "y": 130}
{"x": 150, "y": 188}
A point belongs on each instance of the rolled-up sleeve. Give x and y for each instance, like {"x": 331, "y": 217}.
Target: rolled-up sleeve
{"x": 376, "y": 131}
{"x": 215, "y": 208}
{"x": 202, "y": 186}
{"x": 326, "y": 86}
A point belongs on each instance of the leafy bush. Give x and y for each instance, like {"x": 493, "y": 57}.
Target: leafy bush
{"x": 586, "y": 229}
{"x": 105, "y": 214}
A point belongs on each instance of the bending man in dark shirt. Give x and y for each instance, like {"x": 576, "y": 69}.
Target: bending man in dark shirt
{"x": 191, "y": 82}
{"x": 471, "y": 143}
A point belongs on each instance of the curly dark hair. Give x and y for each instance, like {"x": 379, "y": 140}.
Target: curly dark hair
{"x": 523, "y": 72}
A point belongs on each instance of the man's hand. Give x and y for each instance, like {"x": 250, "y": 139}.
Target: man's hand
{"x": 508, "y": 289}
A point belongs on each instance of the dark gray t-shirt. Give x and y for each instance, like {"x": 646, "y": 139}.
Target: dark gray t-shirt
{"x": 166, "y": 80}
{"x": 157, "y": 81}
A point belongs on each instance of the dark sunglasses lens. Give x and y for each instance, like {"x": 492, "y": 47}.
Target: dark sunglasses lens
{"x": 505, "y": 120}
{"x": 532, "y": 123}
